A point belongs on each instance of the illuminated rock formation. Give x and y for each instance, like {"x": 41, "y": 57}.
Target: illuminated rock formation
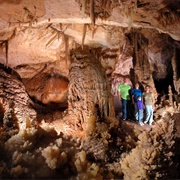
{"x": 61, "y": 64}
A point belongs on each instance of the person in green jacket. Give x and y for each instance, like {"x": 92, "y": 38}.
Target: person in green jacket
{"x": 124, "y": 96}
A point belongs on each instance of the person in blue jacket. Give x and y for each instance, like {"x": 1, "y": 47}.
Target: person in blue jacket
{"x": 135, "y": 93}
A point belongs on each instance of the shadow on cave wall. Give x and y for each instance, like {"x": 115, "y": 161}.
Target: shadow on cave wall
{"x": 162, "y": 85}
{"x": 177, "y": 55}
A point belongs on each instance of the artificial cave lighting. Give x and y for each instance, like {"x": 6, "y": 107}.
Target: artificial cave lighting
{"x": 61, "y": 63}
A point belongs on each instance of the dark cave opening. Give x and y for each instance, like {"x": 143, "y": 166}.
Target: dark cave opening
{"x": 177, "y": 54}
{"x": 162, "y": 85}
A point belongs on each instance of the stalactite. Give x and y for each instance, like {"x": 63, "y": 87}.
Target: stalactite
{"x": 92, "y": 12}
{"x": 108, "y": 5}
{"x": 170, "y": 95}
{"x": 113, "y": 2}
{"x": 30, "y": 16}
{"x": 6, "y": 42}
{"x": 74, "y": 44}
{"x": 101, "y": 4}
{"x": 130, "y": 18}
{"x": 66, "y": 40}
{"x": 83, "y": 6}
{"x": 60, "y": 26}
{"x": 175, "y": 72}
{"x": 120, "y": 3}
{"x": 49, "y": 25}
{"x": 140, "y": 40}
{"x": 137, "y": 65}
{"x": 26, "y": 14}
{"x": 136, "y": 48}
{"x": 34, "y": 16}
{"x": 93, "y": 31}
{"x": 7, "y": 49}
{"x": 84, "y": 35}
{"x": 147, "y": 52}
{"x": 104, "y": 4}
{"x": 54, "y": 37}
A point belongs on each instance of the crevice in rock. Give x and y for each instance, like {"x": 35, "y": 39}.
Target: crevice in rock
{"x": 177, "y": 62}
{"x": 163, "y": 84}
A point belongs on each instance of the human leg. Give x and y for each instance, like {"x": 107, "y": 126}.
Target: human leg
{"x": 124, "y": 108}
{"x": 136, "y": 112}
{"x": 147, "y": 108}
{"x": 140, "y": 117}
{"x": 151, "y": 115}
{"x": 129, "y": 110}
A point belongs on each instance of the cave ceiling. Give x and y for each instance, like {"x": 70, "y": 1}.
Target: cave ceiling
{"x": 34, "y": 33}
{"x": 60, "y": 64}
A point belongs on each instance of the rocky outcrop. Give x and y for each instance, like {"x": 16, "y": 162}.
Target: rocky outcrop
{"x": 16, "y": 110}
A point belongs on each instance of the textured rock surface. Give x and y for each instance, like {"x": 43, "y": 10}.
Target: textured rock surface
{"x": 89, "y": 91}
{"x": 64, "y": 52}
{"x": 45, "y": 82}
{"x": 44, "y": 31}
{"x": 14, "y": 101}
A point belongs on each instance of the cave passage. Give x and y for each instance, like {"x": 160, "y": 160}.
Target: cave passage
{"x": 163, "y": 84}
{"x": 177, "y": 63}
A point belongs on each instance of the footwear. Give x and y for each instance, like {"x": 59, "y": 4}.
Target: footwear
{"x": 124, "y": 119}
{"x": 141, "y": 124}
{"x": 145, "y": 122}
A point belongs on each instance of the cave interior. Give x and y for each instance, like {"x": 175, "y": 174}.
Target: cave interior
{"x": 57, "y": 121}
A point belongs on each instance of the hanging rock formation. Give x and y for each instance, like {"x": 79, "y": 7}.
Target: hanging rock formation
{"x": 70, "y": 56}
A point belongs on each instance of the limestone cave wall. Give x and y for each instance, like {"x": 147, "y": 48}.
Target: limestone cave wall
{"x": 61, "y": 63}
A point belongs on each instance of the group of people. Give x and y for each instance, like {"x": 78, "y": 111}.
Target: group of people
{"x": 134, "y": 97}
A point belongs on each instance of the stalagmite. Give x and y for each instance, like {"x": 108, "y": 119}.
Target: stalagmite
{"x": 170, "y": 95}
{"x": 88, "y": 89}
{"x": 61, "y": 62}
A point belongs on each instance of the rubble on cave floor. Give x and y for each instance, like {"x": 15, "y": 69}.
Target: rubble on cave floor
{"x": 108, "y": 149}
{"x": 104, "y": 153}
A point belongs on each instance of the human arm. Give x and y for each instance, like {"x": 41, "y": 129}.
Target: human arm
{"x": 132, "y": 97}
{"x": 119, "y": 92}
{"x": 152, "y": 101}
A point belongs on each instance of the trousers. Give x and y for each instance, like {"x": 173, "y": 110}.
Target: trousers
{"x": 125, "y": 108}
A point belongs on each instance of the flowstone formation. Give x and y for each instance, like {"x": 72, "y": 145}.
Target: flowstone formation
{"x": 89, "y": 96}
{"x": 15, "y": 104}
{"x": 62, "y": 61}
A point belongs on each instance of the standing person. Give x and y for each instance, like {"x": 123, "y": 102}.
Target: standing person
{"x": 140, "y": 108}
{"x": 135, "y": 93}
{"x": 149, "y": 102}
{"x": 123, "y": 95}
